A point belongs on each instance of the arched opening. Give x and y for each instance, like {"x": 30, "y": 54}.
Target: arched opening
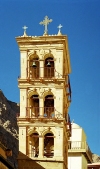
{"x": 34, "y": 67}
{"x": 49, "y": 145}
{"x": 34, "y": 144}
{"x": 49, "y": 67}
{"x": 34, "y": 105}
{"x": 49, "y": 106}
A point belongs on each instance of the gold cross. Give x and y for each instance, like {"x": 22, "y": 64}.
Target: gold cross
{"x": 45, "y": 22}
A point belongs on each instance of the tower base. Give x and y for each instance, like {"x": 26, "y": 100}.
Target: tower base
{"x": 25, "y": 162}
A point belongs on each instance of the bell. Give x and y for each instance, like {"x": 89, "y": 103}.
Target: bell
{"x": 34, "y": 64}
{"x": 48, "y": 64}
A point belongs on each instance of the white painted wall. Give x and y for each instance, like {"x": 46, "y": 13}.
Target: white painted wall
{"x": 77, "y": 160}
{"x": 74, "y": 162}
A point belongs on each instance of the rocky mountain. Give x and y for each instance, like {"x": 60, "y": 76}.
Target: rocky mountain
{"x": 96, "y": 158}
{"x": 8, "y": 126}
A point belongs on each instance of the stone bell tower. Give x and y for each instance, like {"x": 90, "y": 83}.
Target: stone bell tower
{"x": 45, "y": 96}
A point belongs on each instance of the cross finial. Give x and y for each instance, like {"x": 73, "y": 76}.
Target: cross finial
{"x": 45, "y": 22}
{"x": 25, "y": 27}
{"x": 59, "y": 31}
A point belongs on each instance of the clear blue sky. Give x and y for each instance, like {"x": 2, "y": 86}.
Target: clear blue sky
{"x": 81, "y": 22}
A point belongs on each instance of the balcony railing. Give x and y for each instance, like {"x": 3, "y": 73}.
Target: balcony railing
{"x": 80, "y": 146}
{"x": 48, "y": 153}
{"x": 43, "y": 72}
{"x": 40, "y": 112}
{"x": 49, "y": 72}
{"x": 34, "y": 153}
{"x": 34, "y": 112}
{"x": 76, "y": 145}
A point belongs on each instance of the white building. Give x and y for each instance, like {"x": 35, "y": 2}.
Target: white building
{"x": 79, "y": 154}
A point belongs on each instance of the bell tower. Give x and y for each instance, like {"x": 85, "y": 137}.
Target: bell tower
{"x": 45, "y": 96}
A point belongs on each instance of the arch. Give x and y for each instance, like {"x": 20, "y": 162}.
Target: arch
{"x": 33, "y": 55}
{"x": 47, "y": 131}
{"x": 49, "y": 145}
{"x": 33, "y": 65}
{"x": 49, "y": 111}
{"x": 33, "y": 104}
{"x": 34, "y": 144}
{"x": 47, "y": 93}
{"x": 48, "y": 55}
{"x": 32, "y": 92}
{"x": 34, "y": 134}
{"x": 49, "y": 66}
{"x": 33, "y": 130}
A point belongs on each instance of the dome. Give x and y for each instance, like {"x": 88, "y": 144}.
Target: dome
{"x": 74, "y": 125}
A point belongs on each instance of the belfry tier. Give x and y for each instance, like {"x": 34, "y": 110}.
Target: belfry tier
{"x": 45, "y": 68}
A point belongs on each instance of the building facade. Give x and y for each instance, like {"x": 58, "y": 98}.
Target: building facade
{"x": 45, "y": 96}
{"x": 79, "y": 153}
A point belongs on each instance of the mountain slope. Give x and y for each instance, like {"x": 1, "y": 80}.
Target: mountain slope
{"x": 8, "y": 126}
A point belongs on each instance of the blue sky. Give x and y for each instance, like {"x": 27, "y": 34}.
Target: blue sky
{"x": 81, "y": 23}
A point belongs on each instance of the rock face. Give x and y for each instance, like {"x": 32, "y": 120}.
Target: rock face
{"x": 8, "y": 126}
{"x": 96, "y": 158}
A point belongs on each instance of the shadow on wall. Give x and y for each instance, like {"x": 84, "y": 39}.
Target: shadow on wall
{"x": 27, "y": 163}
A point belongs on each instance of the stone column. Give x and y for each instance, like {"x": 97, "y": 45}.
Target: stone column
{"x": 30, "y": 149}
{"x": 41, "y": 147}
{"x": 41, "y": 68}
{"x": 41, "y": 106}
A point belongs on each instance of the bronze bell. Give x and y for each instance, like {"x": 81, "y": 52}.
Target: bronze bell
{"x": 48, "y": 64}
{"x": 34, "y": 64}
